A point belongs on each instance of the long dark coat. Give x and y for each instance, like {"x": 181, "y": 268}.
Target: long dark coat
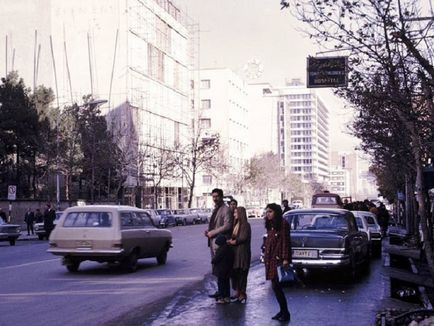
{"x": 242, "y": 251}
{"x": 223, "y": 261}
{"x": 277, "y": 249}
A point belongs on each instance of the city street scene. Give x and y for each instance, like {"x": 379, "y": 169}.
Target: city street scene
{"x": 231, "y": 162}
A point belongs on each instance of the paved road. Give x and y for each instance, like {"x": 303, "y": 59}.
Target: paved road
{"x": 35, "y": 288}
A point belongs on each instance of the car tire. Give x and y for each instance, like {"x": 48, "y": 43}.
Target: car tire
{"x": 73, "y": 265}
{"x": 130, "y": 263}
{"x": 40, "y": 237}
{"x": 12, "y": 242}
{"x": 162, "y": 257}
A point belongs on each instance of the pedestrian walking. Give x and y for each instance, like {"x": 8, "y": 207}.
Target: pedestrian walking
{"x": 277, "y": 253}
{"x": 222, "y": 263}
{"x": 49, "y": 217}
{"x": 285, "y": 205}
{"x": 220, "y": 223}
{"x": 240, "y": 242}
{"x": 383, "y": 218}
{"x": 29, "y": 218}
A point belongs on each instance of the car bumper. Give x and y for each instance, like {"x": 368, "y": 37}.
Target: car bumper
{"x": 84, "y": 252}
{"x": 7, "y": 236}
{"x": 321, "y": 263}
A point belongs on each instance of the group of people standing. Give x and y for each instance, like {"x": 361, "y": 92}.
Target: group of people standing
{"x": 229, "y": 239}
{"x": 47, "y": 217}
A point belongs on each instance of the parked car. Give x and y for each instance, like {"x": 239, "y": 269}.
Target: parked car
{"x": 363, "y": 226}
{"x": 374, "y": 230}
{"x": 166, "y": 218}
{"x": 39, "y": 227}
{"x": 254, "y": 212}
{"x": 184, "y": 217}
{"x": 108, "y": 233}
{"x": 200, "y": 215}
{"x": 326, "y": 238}
{"x": 9, "y": 232}
{"x": 154, "y": 216}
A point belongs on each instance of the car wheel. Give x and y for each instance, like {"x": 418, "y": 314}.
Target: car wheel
{"x": 162, "y": 258}
{"x": 130, "y": 263}
{"x": 40, "y": 237}
{"x": 12, "y": 242}
{"x": 73, "y": 266}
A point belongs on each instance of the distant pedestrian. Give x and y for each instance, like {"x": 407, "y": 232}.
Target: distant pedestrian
{"x": 220, "y": 223}
{"x": 49, "y": 217}
{"x": 29, "y": 218}
{"x": 39, "y": 218}
{"x": 285, "y": 205}
{"x": 277, "y": 252}
{"x": 383, "y": 218}
{"x": 3, "y": 216}
{"x": 240, "y": 242}
{"x": 222, "y": 266}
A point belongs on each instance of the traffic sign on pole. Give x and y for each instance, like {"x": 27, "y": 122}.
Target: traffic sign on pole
{"x": 12, "y": 192}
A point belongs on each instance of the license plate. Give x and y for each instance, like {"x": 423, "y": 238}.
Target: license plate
{"x": 304, "y": 253}
{"x": 84, "y": 244}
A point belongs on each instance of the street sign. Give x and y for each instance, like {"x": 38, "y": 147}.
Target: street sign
{"x": 12, "y": 192}
{"x": 327, "y": 72}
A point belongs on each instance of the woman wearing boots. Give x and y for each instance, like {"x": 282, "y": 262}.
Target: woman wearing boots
{"x": 277, "y": 253}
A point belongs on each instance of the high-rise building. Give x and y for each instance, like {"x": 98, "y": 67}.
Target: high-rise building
{"x": 135, "y": 54}
{"x": 223, "y": 110}
{"x": 303, "y": 131}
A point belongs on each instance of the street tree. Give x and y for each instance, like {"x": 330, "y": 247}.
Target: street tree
{"x": 19, "y": 126}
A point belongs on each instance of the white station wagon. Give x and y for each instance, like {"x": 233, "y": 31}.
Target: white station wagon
{"x": 108, "y": 233}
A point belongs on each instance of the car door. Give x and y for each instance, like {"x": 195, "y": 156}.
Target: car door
{"x": 358, "y": 240}
{"x": 151, "y": 239}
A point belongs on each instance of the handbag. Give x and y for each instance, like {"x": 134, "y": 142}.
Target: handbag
{"x": 285, "y": 274}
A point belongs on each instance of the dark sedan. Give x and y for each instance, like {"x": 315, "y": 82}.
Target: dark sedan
{"x": 327, "y": 238}
{"x": 166, "y": 217}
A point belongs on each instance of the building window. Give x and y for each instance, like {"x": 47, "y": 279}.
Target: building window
{"x": 343, "y": 162}
{"x": 207, "y": 179}
{"x": 205, "y": 123}
{"x": 206, "y": 104}
{"x": 205, "y": 84}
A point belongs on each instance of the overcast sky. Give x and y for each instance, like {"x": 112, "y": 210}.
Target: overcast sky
{"x": 235, "y": 31}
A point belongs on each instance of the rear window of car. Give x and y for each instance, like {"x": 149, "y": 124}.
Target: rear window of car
{"x": 88, "y": 219}
{"x": 134, "y": 220}
{"x": 359, "y": 222}
{"x": 316, "y": 221}
{"x": 326, "y": 200}
{"x": 370, "y": 220}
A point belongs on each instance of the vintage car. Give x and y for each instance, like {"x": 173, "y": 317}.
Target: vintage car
{"x": 39, "y": 227}
{"x": 201, "y": 215}
{"x": 327, "y": 238}
{"x": 326, "y": 200}
{"x": 108, "y": 233}
{"x": 166, "y": 218}
{"x": 9, "y": 232}
{"x": 184, "y": 217}
{"x": 374, "y": 230}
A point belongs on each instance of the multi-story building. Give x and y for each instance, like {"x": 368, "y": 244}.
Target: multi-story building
{"x": 340, "y": 182}
{"x": 303, "y": 131}
{"x": 223, "y": 110}
{"x": 348, "y": 161}
{"x": 134, "y": 54}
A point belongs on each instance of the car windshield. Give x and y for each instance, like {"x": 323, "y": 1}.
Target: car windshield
{"x": 328, "y": 200}
{"x": 163, "y": 212}
{"x": 359, "y": 222}
{"x": 316, "y": 221}
{"x": 88, "y": 219}
{"x": 370, "y": 220}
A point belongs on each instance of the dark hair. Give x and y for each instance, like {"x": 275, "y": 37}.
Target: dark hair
{"x": 218, "y": 191}
{"x": 276, "y": 222}
{"x": 285, "y": 201}
{"x": 233, "y": 201}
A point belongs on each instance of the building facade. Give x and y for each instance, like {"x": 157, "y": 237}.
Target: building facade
{"x": 340, "y": 182}
{"x": 135, "y": 54}
{"x": 302, "y": 131}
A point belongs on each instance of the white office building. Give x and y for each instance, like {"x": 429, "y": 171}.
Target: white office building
{"x": 302, "y": 131}
{"x": 136, "y": 54}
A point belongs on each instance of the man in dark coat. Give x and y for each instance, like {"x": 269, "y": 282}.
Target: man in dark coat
{"x": 3, "y": 216}
{"x": 49, "y": 217}
{"x": 285, "y": 205}
{"x": 29, "y": 218}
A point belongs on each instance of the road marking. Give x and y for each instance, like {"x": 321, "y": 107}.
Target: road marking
{"x": 28, "y": 264}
